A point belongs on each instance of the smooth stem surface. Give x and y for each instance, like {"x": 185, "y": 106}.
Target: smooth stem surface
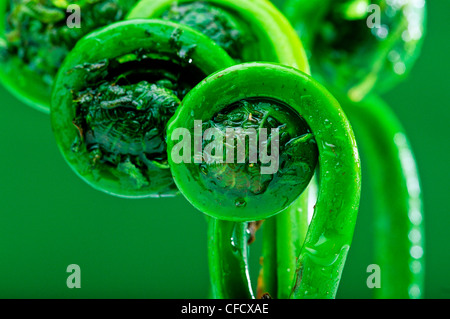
{"x": 269, "y": 282}
{"x": 283, "y": 238}
{"x": 291, "y": 227}
{"x": 228, "y": 259}
{"x": 399, "y": 243}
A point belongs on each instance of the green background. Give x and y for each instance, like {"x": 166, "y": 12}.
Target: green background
{"x": 156, "y": 248}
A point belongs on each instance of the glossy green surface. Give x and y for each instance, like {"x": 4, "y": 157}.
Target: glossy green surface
{"x": 35, "y": 38}
{"x": 240, "y": 173}
{"x": 218, "y": 24}
{"x": 268, "y": 36}
{"x": 50, "y": 218}
{"x": 268, "y": 276}
{"x": 399, "y": 227}
{"x": 353, "y": 59}
{"x": 272, "y": 37}
{"x": 113, "y": 52}
{"x": 348, "y": 52}
{"x": 241, "y": 202}
{"x": 228, "y": 260}
{"x": 331, "y": 230}
{"x": 283, "y": 238}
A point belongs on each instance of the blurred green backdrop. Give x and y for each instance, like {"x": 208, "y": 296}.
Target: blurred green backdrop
{"x": 156, "y": 248}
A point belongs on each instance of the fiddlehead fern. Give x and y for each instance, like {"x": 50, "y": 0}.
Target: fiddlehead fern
{"x": 112, "y": 110}
{"x": 330, "y": 234}
{"x": 35, "y": 38}
{"x": 337, "y": 38}
{"x": 359, "y": 45}
{"x": 252, "y": 30}
{"x": 237, "y": 186}
{"x": 114, "y": 95}
{"x": 214, "y": 22}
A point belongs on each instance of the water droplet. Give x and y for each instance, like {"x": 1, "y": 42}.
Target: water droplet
{"x": 415, "y": 217}
{"x": 414, "y": 291}
{"x": 233, "y": 242}
{"x": 382, "y": 32}
{"x": 415, "y": 266}
{"x": 415, "y": 236}
{"x": 204, "y": 170}
{"x": 399, "y": 68}
{"x": 393, "y": 56}
{"x": 416, "y": 252}
{"x": 325, "y": 252}
{"x": 240, "y": 202}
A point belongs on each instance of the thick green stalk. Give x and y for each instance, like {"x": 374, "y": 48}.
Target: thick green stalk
{"x": 399, "y": 243}
{"x": 228, "y": 260}
{"x": 268, "y": 281}
{"x": 283, "y": 237}
{"x": 291, "y": 226}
